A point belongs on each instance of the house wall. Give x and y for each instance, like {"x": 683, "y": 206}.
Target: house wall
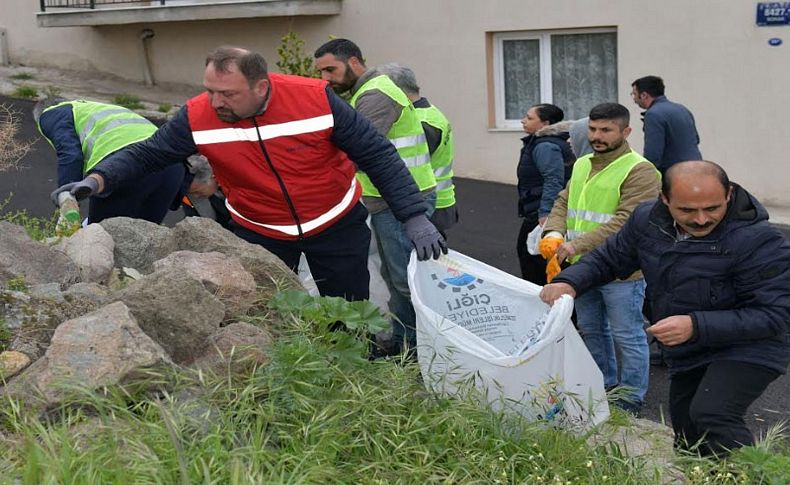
{"x": 712, "y": 56}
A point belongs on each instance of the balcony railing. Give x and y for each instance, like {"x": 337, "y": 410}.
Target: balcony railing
{"x": 92, "y": 4}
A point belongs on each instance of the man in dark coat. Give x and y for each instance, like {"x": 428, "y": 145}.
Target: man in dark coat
{"x": 718, "y": 279}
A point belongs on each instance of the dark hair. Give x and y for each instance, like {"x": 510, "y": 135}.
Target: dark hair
{"x": 402, "y": 76}
{"x": 652, "y": 85}
{"x": 251, "y": 64}
{"x": 549, "y": 112}
{"x": 342, "y": 49}
{"x": 611, "y": 111}
{"x": 707, "y": 168}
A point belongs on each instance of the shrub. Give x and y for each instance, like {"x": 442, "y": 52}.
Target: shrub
{"x": 21, "y": 76}
{"x": 293, "y": 60}
{"x": 25, "y": 91}
{"x": 127, "y": 101}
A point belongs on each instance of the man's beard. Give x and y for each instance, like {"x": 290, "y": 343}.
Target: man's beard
{"x": 609, "y": 148}
{"x": 348, "y": 81}
{"x": 226, "y": 115}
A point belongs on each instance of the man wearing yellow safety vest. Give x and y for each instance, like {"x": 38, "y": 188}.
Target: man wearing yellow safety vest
{"x": 439, "y": 136}
{"x": 604, "y": 189}
{"x": 85, "y": 133}
{"x": 378, "y": 99}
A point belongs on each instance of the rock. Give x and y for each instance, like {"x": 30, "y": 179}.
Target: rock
{"x": 236, "y": 347}
{"x": 46, "y": 291}
{"x": 138, "y": 243}
{"x": 12, "y": 363}
{"x": 32, "y": 261}
{"x": 204, "y": 235}
{"x": 175, "y": 310}
{"x": 222, "y": 275}
{"x": 91, "y": 248}
{"x": 102, "y": 348}
{"x": 95, "y": 293}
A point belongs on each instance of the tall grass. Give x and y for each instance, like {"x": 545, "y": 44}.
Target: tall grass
{"x": 319, "y": 412}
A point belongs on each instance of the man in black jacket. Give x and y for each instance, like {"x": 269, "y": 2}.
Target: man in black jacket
{"x": 717, "y": 278}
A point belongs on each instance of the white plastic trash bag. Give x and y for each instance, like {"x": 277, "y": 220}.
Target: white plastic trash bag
{"x": 533, "y": 240}
{"x": 479, "y": 326}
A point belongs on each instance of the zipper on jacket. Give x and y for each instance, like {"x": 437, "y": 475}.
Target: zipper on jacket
{"x": 280, "y": 181}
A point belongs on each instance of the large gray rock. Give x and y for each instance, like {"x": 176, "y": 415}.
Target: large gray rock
{"x": 175, "y": 310}
{"x": 32, "y": 318}
{"x": 235, "y": 348}
{"x": 91, "y": 248}
{"x": 204, "y": 235}
{"x": 101, "y": 348}
{"x": 33, "y": 261}
{"x": 138, "y": 243}
{"x": 222, "y": 275}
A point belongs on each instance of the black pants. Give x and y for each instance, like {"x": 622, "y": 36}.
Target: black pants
{"x": 337, "y": 256}
{"x": 709, "y": 402}
{"x": 149, "y": 198}
{"x": 533, "y": 268}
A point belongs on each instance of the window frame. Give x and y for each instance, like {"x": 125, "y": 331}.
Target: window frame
{"x": 544, "y": 48}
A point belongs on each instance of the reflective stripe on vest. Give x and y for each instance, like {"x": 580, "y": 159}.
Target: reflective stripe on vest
{"x": 442, "y": 157}
{"x": 406, "y": 136}
{"x": 293, "y": 229}
{"x": 105, "y": 128}
{"x": 593, "y": 201}
{"x": 290, "y": 128}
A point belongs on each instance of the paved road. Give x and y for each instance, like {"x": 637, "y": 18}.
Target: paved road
{"x": 487, "y": 232}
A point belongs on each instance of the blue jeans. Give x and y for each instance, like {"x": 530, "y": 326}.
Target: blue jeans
{"x": 395, "y": 248}
{"x": 610, "y": 317}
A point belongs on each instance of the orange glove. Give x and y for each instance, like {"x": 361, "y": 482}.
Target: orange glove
{"x": 552, "y": 269}
{"x": 548, "y": 246}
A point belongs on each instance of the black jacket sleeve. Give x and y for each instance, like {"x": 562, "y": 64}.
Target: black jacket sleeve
{"x": 377, "y": 157}
{"x": 171, "y": 143}
{"x": 617, "y": 257}
{"x": 57, "y": 124}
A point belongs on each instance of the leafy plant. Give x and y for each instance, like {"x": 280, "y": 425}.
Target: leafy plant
{"x": 22, "y": 76}
{"x": 165, "y": 107}
{"x": 25, "y": 91}
{"x": 293, "y": 59}
{"x": 127, "y": 101}
{"x": 17, "y": 284}
{"x": 38, "y": 228}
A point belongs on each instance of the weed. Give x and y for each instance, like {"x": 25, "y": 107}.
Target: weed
{"x": 165, "y": 107}
{"x": 25, "y": 91}
{"x": 5, "y": 335}
{"x": 51, "y": 91}
{"x": 22, "y": 76}
{"x": 17, "y": 284}
{"x": 127, "y": 101}
{"x": 38, "y": 228}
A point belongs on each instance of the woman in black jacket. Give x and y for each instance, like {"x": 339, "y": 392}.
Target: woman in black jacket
{"x": 543, "y": 170}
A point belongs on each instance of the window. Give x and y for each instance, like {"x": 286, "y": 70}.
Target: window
{"x": 573, "y": 69}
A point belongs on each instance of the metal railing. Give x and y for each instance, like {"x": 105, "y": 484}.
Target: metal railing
{"x": 92, "y": 4}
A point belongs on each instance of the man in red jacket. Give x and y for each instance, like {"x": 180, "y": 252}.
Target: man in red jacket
{"x": 281, "y": 148}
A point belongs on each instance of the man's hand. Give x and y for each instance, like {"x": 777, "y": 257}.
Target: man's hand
{"x": 203, "y": 190}
{"x": 673, "y": 330}
{"x": 550, "y": 293}
{"x": 425, "y": 238}
{"x": 90, "y": 185}
{"x": 565, "y": 251}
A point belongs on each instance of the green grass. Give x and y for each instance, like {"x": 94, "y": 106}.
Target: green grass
{"x": 319, "y": 412}
{"x": 38, "y": 228}
{"x": 22, "y": 76}
{"x": 165, "y": 107}
{"x": 25, "y": 91}
{"x": 127, "y": 101}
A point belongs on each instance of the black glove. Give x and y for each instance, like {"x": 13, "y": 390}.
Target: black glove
{"x": 425, "y": 238}
{"x": 80, "y": 190}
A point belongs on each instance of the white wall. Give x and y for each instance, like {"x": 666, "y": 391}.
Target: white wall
{"x": 712, "y": 56}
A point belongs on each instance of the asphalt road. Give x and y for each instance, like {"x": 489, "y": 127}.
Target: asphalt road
{"x": 487, "y": 232}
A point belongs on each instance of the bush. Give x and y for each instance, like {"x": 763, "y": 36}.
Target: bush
{"x": 293, "y": 60}
{"x": 165, "y": 107}
{"x": 127, "y": 101}
{"x": 25, "y": 91}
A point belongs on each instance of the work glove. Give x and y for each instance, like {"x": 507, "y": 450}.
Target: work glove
{"x": 548, "y": 249}
{"x": 80, "y": 190}
{"x": 425, "y": 238}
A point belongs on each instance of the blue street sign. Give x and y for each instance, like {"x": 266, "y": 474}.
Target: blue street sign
{"x": 773, "y": 13}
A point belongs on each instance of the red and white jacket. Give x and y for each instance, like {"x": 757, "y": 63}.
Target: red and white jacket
{"x": 295, "y": 129}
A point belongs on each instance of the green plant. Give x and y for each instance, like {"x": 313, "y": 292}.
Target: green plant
{"x": 165, "y": 107}
{"x": 38, "y": 228}
{"x": 51, "y": 91}
{"x": 293, "y": 60}
{"x": 5, "y": 335}
{"x": 17, "y": 284}
{"x": 25, "y": 91}
{"x": 22, "y": 76}
{"x": 127, "y": 101}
